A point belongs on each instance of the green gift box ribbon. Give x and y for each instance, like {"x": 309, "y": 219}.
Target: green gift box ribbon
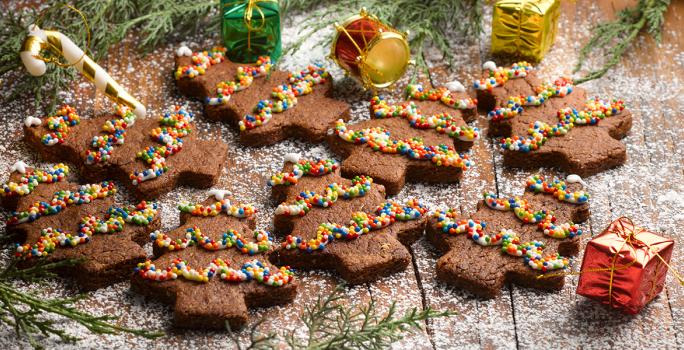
{"x": 251, "y": 28}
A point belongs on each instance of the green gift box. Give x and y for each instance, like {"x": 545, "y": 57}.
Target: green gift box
{"x": 251, "y": 28}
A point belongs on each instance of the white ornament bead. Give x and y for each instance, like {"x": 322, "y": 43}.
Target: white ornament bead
{"x": 490, "y": 65}
{"x": 19, "y": 167}
{"x": 183, "y": 51}
{"x": 455, "y": 86}
{"x": 292, "y": 158}
{"x": 32, "y": 121}
{"x": 219, "y": 194}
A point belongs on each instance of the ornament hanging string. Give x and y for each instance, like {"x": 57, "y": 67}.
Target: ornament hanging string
{"x": 630, "y": 236}
{"x": 60, "y": 45}
{"x": 249, "y": 12}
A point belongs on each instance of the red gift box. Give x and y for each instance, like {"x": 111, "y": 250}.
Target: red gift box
{"x": 625, "y": 266}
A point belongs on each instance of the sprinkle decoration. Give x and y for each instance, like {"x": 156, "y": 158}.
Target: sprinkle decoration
{"x": 116, "y": 131}
{"x": 61, "y": 200}
{"x": 559, "y": 88}
{"x": 200, "y": 62}
{"x": 32, "y": 178}
{"x": 229, "y": 239}
{"x": 175, "y": 124}
{"x": 510, "y": 242}
{"x": 253, "y": 270}
{"x": 306, "y": 199}
{"x": 443, "y": 123}
{"x": 360, "y": 224}
{"x": 594, "y": 111}
{"x": 545, "y": 220}
{"x": 243, "y": 79}
{"x": 500, "y": 76}
{"x": 378, "y": 139}
{"x": 285, "y": 96}
{"x": 116, "y": 219}
{"x": 557, "y": 188}
{"x": 416, "y": 92}
{"x": 222, "y": 206}
{"x": 59, "y": 124}
{"x": 304, "y": 168}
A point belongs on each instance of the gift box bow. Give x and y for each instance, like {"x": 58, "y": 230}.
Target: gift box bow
{"x": 635, "y": 239}
{"x": 249, "y": 7}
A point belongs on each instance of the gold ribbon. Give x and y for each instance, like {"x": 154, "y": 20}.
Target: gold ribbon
{"x": 247, "y": 17}
{"x": 35, "y": 44}
{"x": 630, "y": 239}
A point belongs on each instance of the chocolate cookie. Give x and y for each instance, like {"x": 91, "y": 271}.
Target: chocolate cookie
{"x": 59, "y": 220}
{"x": 214, "y": 267}
{"x": 268, "y": 106}
{"x": 416, "y": 141}
{"x": 552, "y": 124}
{"x": 151, "y": 156}
{"x": 339, "y": 224}
{"x": 511, "y": 240}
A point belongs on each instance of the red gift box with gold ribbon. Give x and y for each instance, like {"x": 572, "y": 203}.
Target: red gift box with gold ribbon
{"x": 625, "y": 266}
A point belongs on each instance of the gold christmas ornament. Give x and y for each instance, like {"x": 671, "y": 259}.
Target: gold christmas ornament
{"x": 524, "y": 28}
{"x": 370, "y": 50}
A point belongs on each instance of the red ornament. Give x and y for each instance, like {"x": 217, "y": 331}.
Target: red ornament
{"x": 625, "y": 266}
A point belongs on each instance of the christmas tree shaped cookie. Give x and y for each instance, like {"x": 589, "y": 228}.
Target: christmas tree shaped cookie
{"x": 418, "y": 140}
{"x": 511, "y": 240}
{"x": 552, "y": 124}
{"x": 151, "y": 156}
{"x": 268, "y": 106}
{"x": 214, "y": 267}
{"x": 55, "y": 219}
{"x": 346, "y": 225}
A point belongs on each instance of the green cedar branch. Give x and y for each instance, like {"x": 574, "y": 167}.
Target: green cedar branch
{"x": 617, "y": 36}
{"x": 31, "y": 316}
{"x": 332, "y": 325}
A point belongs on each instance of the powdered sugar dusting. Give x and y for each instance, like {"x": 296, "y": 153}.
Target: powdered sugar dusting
{"x": 520, "y": 317}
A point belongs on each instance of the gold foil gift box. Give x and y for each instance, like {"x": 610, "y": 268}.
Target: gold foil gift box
{"x": 524, "y": 29}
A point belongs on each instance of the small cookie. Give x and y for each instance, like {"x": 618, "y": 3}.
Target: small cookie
{"x": 552, "y": 124}
{"x": 213, "y": 268}
{"x": 58, "y": 220}
{"x": 511, "y": 240}
{"x": 268, "y": 106}
{"x": 151, "y": 156}
{"x": 334, "y": 223}
{"x": 415, "y": 141}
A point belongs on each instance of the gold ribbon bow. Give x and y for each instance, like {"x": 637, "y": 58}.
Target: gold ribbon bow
{"x": 249, "y": 13}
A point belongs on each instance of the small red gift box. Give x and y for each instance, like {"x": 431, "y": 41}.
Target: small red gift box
{"x": 625, "y": 266}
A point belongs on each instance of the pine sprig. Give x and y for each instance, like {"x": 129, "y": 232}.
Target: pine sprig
{"x": 427, "y": 22}
{"x": 332, "y": 325}
{"x": 617, "y": 36}
{"x": 32, "y": 317}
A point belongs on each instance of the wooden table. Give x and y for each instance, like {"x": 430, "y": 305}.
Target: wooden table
{"x": 649, "y": 189}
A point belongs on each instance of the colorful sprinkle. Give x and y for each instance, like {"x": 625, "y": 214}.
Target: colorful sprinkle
{"x": 60, "y": 123}
{"x": 361, "y": 223}
{"x": 557, "y": 188}
{"x": 306, "y": 199}
{"x": 200, "y": 62}
{"x": 229, "y": 239}
{"x": 175, "y": 125}
{"x": 378, "y": 139}
{"x": 304, "y": 168}
{"x": 116, "y": 219}
{"x": 61, "y": 199}
{"x": 32, "y": 178}
{"x": 510, "y": 242}
{"x": 116, "y": 130}
{"x": 222, "y": 206}
{"x": 443, "y": 123}
{"x": 416, "y": 92}
{"x": 243, "y": 79}
{"x": 285, "y": 96}
{"x": 253, "y": 270}
{"x": 500, "y": 76}
{"x": 595, "y": 110}
{"x": 559, "y": 88}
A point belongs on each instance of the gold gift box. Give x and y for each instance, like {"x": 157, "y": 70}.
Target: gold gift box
{"x": 524, "y": 29}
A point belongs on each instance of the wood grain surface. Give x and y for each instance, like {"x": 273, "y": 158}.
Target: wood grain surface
{"x": 649, "y": 189}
